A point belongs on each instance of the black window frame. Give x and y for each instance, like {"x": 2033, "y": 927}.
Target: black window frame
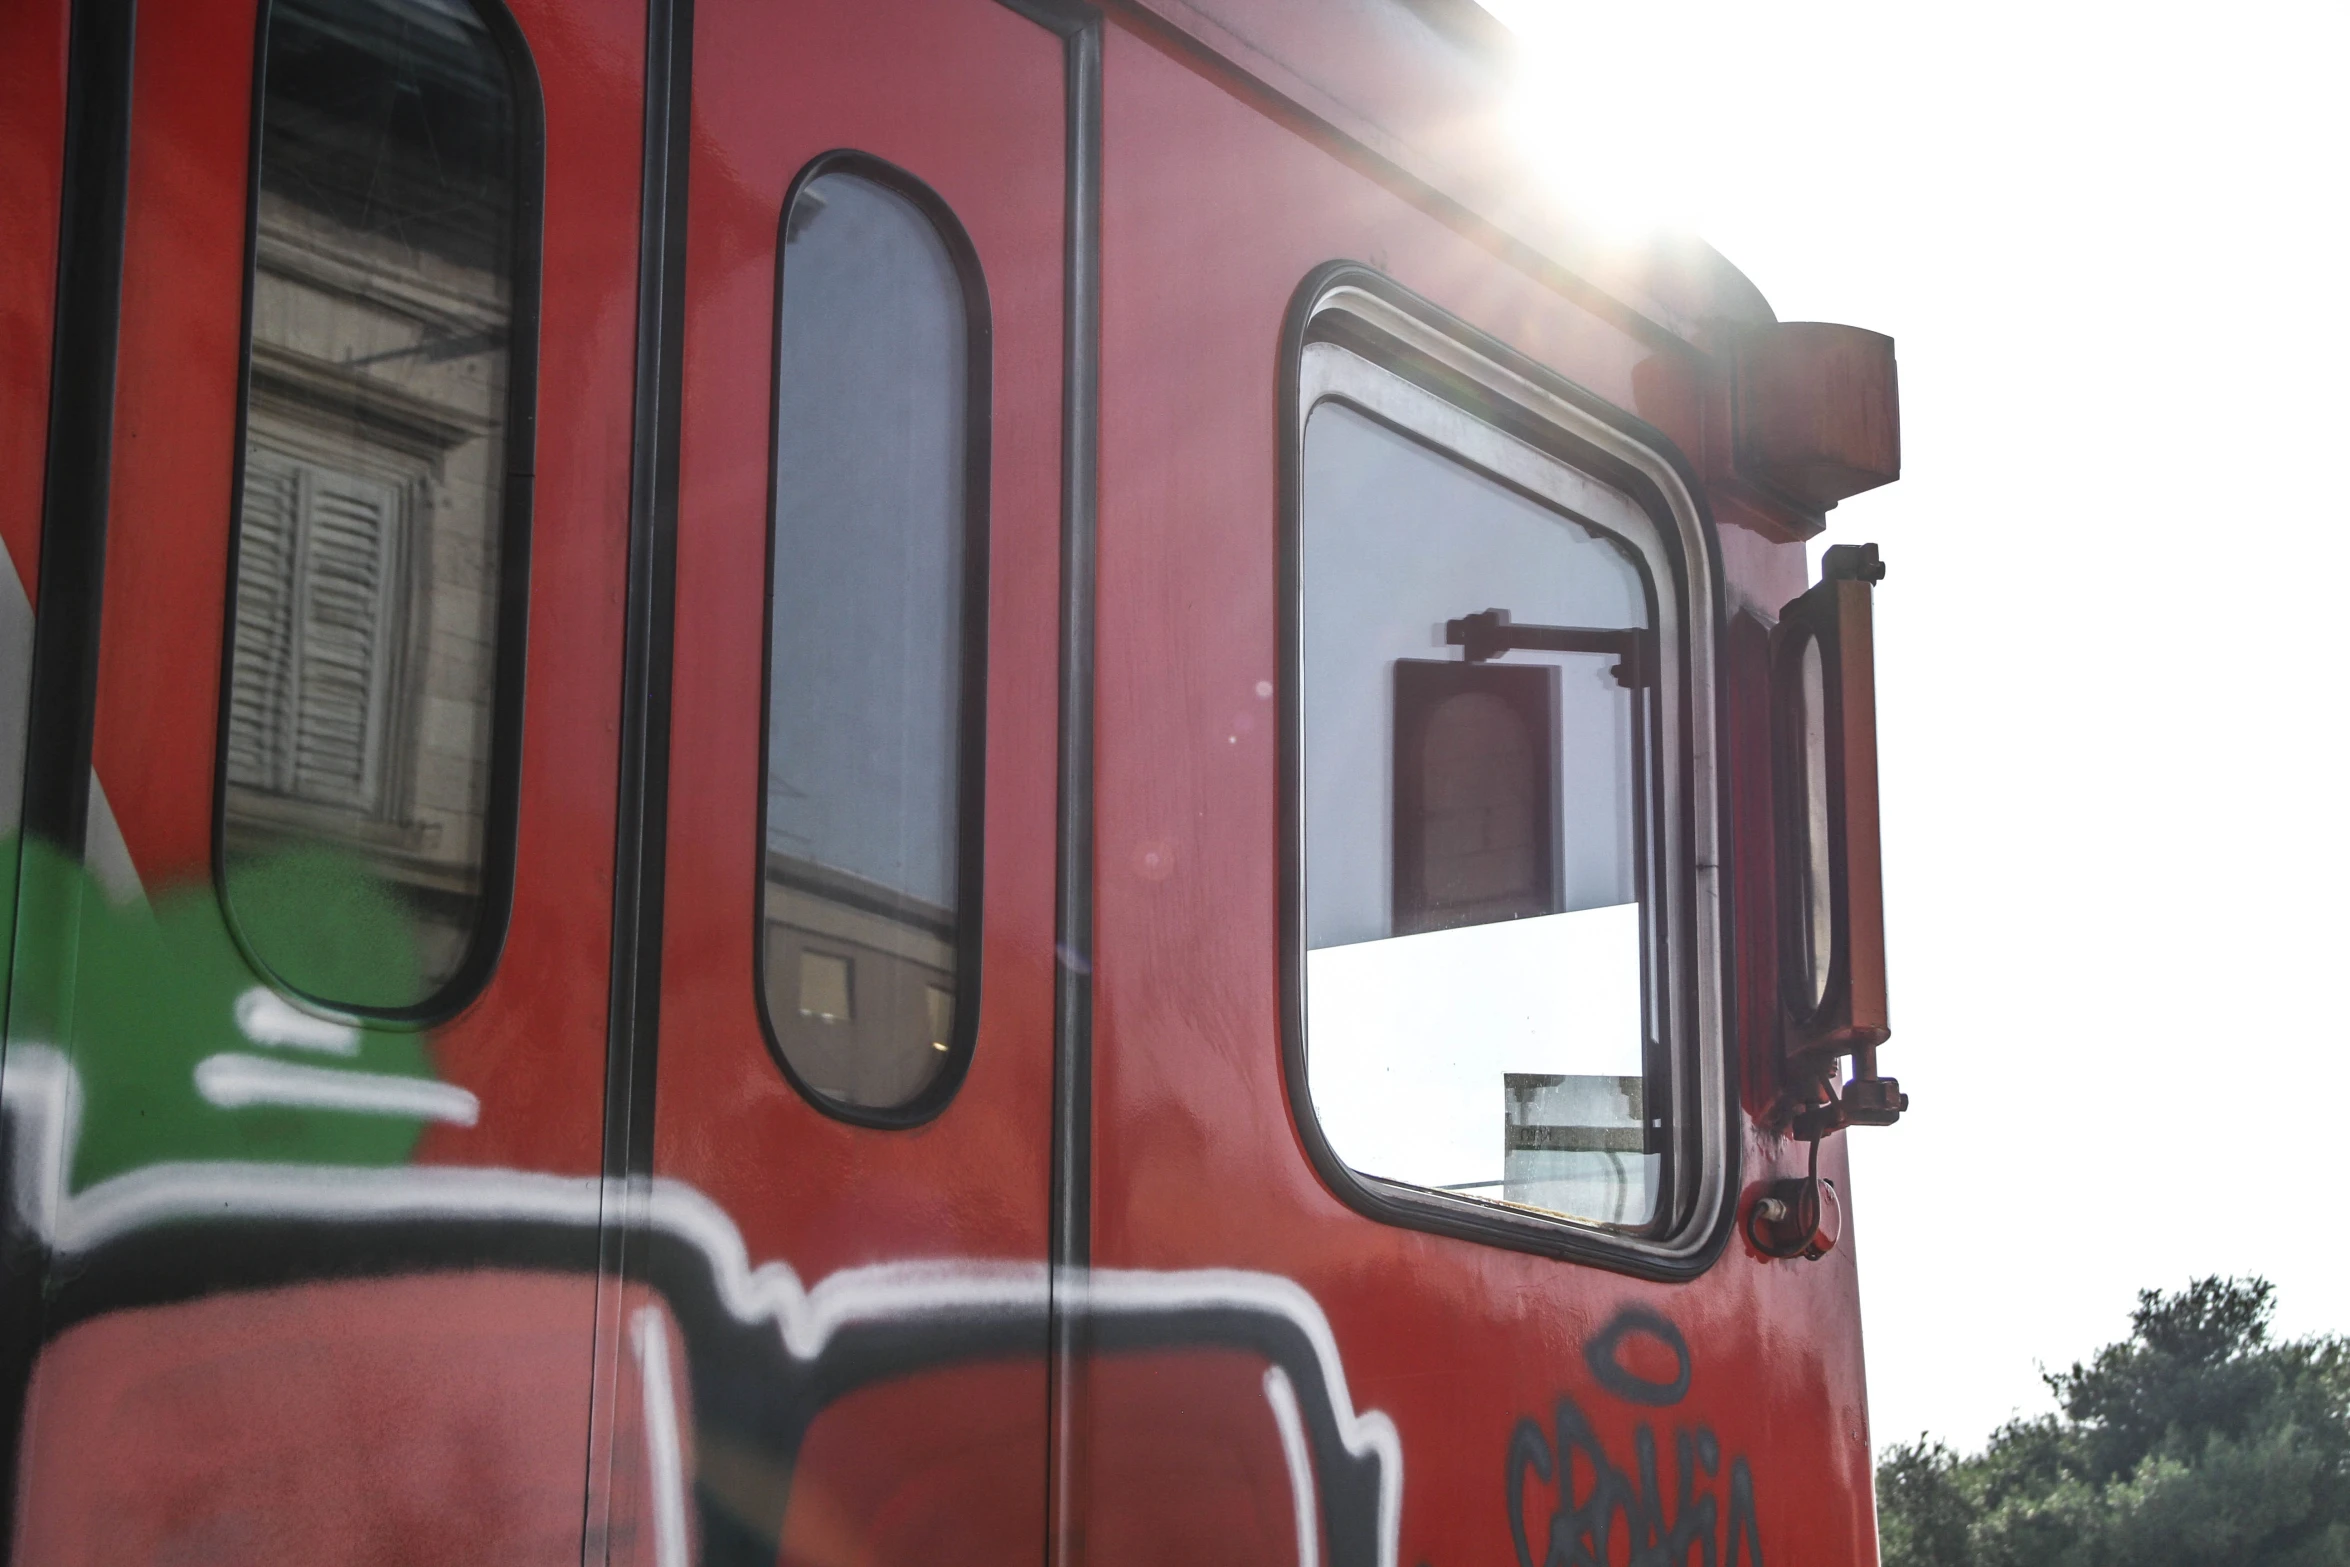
{"x": 1370, "y": 317}
{"x": 971, "y": 695}
{"x": 502, "y": 795}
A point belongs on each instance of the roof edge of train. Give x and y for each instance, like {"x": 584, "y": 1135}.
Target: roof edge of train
{"x": 1423, "y": 87}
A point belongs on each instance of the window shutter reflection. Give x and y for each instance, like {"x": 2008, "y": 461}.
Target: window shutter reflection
{"x": 346, "y": 620}
{"x": 369, "y": 729}
{"x": 263, "y": 664}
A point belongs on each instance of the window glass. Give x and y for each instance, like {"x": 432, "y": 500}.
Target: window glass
{"x": 873, "y": 609}
{"x": 1814, "y": 931}
{"x": 363, "y": 657}
{"x": 1473, "y": 834}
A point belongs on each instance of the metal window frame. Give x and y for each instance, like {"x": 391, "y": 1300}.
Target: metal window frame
{"x": 1358, "y": 338}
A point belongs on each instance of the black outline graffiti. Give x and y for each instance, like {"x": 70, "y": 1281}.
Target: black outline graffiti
{"x": 1584, "y": 1525}
{"x": 1613, "y": 1375}
{"x": 765, "y": 1354}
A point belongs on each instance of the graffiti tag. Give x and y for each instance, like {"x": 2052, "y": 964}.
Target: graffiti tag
{"x": 1601, "y": 1509}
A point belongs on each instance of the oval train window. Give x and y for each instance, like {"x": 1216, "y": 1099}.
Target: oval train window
{"x": 369, "y": 726}
{"x": 869, "y": 842}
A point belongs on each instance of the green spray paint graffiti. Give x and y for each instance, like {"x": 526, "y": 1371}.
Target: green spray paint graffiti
{"x": 184, "y": 1052}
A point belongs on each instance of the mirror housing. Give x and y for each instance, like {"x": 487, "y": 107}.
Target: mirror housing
{"x": 1831, "y": 883}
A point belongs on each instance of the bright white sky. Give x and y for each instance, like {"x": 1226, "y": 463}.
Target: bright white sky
{"x": 2110, "y": 243}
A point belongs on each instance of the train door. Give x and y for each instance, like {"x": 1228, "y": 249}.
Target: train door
{"x": 1413, "y": 934}
{"x": 305, "y": 1054}
{"x": 855, "y": 1050}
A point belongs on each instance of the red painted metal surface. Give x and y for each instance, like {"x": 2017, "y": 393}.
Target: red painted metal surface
{"x": 1215, "y": 212}
{"x": 406, "y": 1420}
{"x": 966, "y": 97}
{"x": 532, "y": 1047}
{"x": 460, "y": 1396}
{"x": 32, "y": 168}
{"x": 883, "y": 1479}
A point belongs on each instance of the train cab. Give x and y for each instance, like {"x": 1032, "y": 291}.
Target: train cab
{"x": 859, "y": 782}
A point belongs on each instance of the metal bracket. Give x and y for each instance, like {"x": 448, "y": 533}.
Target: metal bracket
{"x": 1852, "y": 563}
{"x": 1868, "y": 1100}
{"x": 1489, "y": 635}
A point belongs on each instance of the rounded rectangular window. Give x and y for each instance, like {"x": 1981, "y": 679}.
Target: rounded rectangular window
{"x": 370, "y": 721}
{"x": 1501, "y": 1022}
{"x": 869, "y": 886}
{"x": 1473, "y": 830}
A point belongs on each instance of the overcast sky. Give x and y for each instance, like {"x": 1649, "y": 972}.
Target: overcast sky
{"x": 2109, "y": 242}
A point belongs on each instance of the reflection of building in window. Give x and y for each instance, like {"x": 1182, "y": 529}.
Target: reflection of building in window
{"x": 364, "y": 637}
{"x": 1472, "y": 825}
{"x": 865, "y": 901}
{"x": 1475, "y": 805}
{"x": 1576, "y": 1143}
{"x": 825, "y": 979}
{"x": 860, "y": 982}
{"x": 322, "y": 585}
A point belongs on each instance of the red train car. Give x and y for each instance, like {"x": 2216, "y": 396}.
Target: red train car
{"x": 918, "y": 780}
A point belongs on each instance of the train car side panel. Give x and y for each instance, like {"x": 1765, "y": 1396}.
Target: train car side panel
{"x": 1483, "y": 1358}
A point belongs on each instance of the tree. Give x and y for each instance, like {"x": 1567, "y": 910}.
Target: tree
{"x": 2195, "y": 1442}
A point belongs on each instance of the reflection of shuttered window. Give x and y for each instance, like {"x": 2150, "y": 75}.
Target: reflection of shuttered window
{"x": 372, "y": 711}
{"x": 316, "y": 630}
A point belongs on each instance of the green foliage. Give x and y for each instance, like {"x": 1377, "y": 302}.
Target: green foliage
{"x": 2196, "y": 1442}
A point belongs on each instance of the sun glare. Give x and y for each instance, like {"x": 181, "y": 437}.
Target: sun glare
{"x": 1646, "y": 118}
{"x": 1589, "y": 125}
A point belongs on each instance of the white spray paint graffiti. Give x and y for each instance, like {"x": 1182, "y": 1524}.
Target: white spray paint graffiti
{"x": 41, "y": 1094}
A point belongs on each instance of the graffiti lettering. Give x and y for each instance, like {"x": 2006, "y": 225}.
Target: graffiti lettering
{"x": 1600, "y": 1355}
{"x": 1605, "y": 1514}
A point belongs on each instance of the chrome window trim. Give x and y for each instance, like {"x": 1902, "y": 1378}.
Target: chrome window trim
{"x": 1684, "y": 575}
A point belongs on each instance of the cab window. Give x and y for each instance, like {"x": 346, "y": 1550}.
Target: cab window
{"x": 1503, "y": 1017}
{"x": 1473, "y": 828}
